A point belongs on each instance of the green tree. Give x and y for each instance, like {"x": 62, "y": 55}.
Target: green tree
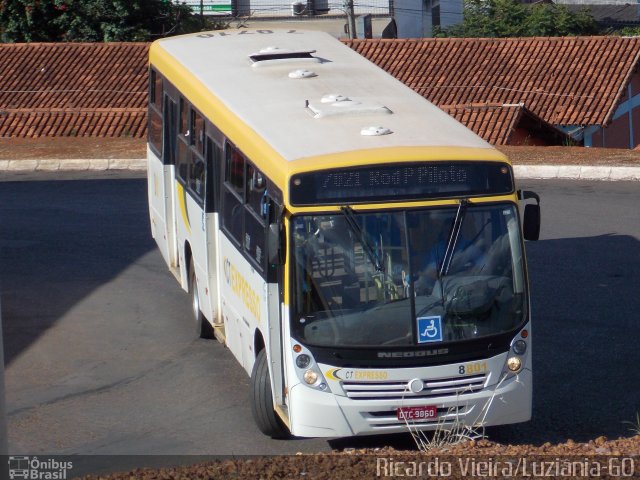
{"x": 93, "y": 20}
{"x": 27, "y": 20}
{"x": 539, "y": 22}
{"x": 510, "y": 18}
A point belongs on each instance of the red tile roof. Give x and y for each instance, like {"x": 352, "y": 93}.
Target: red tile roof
{"x": 497, "y": 123}
{"x": 74, "y": 89}
{"x": 100, "y": 89}
{"x": 563, "y": 80}
{"x": 494, "y": 123}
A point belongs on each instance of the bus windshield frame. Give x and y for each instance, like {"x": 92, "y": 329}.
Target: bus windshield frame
{"x": 385, "y": 285}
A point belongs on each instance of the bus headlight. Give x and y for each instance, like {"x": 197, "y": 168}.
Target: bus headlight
{"x": 303, "y": 361}
{"x": 519, "y": 347}
{"x": 310, "y": 377}
{"x": 514, "y": 364}
{"x": 307, "y": 369}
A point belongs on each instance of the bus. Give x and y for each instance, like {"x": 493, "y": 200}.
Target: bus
{"x": 358, "y": 251}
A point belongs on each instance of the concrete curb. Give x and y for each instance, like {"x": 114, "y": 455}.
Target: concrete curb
{"x": 576, "y": 172}
{"x": 73, "y": 165}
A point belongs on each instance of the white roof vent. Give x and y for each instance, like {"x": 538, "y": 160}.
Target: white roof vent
{"x": 334, "y": 104}
{"x": 302, "y": 73}
{"x": 375, "y": 131}
{"x": 334, "y": 97}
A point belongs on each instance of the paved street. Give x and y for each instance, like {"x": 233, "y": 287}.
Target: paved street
{"x": 101, "y": 357}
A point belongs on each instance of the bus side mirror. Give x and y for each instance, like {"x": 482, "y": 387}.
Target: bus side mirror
{"x": 274, "y": 244}
{"x": 531, "y": 225}
{"x": 531, "y": 222}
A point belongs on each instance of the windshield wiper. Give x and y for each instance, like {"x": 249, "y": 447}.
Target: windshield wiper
{"x": 453, "y": 238}
{"x": 347, "y": 211}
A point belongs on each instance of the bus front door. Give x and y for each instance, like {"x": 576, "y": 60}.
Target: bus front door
{"x": 163, "y": 201}
{"x": 212, "y": 206}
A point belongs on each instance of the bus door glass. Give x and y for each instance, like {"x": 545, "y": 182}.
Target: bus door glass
{"x": 212, "y": 207}
{"x": 161, "y": 197}
{"x": 169, "y": 161}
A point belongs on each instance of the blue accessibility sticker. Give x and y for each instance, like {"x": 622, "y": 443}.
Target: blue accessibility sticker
{"x": 430, "y": 329}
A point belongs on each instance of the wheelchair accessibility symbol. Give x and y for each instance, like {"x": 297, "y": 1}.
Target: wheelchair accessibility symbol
{"x": 429, "y": 329}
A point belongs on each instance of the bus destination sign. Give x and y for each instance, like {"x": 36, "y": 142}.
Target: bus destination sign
{"x": 405, "y": 182}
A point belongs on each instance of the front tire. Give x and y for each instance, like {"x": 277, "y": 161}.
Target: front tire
{"x": 262, "y": 410}
{"x": 202, "y": 326}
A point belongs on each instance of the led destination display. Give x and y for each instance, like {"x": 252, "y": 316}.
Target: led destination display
{"x": 378, "y": 183}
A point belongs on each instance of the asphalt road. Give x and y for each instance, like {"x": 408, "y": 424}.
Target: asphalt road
{"x": 101, "y": 357}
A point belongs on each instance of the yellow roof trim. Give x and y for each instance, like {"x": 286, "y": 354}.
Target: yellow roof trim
{"x": 377, "y": 156}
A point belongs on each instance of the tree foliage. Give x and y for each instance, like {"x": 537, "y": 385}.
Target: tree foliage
{"x": 93, "y": 20}
{"x": 510, "y": 18}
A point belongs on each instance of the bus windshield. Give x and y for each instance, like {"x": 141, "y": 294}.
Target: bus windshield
{"x": 414, "y": 277}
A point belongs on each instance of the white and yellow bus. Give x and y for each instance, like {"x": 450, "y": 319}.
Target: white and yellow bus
{"x": 357, "y": 250}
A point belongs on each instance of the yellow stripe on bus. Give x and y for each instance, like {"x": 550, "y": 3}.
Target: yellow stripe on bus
{"x": 182, "y": 199}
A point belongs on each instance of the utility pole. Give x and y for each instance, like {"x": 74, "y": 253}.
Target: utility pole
{"x": 202, "y": 14}
{"x": 351, "y": 18}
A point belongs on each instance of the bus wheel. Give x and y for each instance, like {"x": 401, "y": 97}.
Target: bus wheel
{"x": 262, "y": 402}
{"x": 203, "y": 327}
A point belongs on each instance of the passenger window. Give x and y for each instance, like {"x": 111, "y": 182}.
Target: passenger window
{"x": 197, "y": 129}
{"x": 254, "y": 238}
{"x": 156, "y": 88}
{"x": 235, "y": 170}
{"x": 256, "y": 189}
{"x": 155, "y": 130}
{"x": 232, "y": 214}
{"x": 184, "y": 158}
{"x": 183, "y": 126}
{"x": 197, "y": 176}
{"x": 214, "y": 158}
{"x": 157, "y": 98}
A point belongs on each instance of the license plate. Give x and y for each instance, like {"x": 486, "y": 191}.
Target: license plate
{"x": 427, "y": 412}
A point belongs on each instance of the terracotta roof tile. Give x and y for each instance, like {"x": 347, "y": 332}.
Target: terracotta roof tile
{"x": 100, "y": 89}
{"x": 565, "y": 80}
{"x": 496, "y": 123}
{"x": 69, "y": 89}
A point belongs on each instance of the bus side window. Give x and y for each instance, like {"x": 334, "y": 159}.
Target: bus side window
{"x": 183, "y": 160}
{"x": 256, "y": 188}
{"x": 155, "y": 90}
{"x": 235, "y": 170}
{"x": 255, "y": 224}
{"x": 254, "y": 237}
{"x": 214, "y": 157}
{"x": 197, "y": 176}
{"x": 183, "y": 125}
{"x": 233, "y": 192}
{"x": 197, "y": 132}
{"x": 154, "y": 127}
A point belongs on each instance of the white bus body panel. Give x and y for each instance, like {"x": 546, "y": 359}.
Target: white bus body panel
{"x": 318, "y": 414}
{"x": 243, "y": 295}
{"x": 213, "y": 269}
{"x": 314, "y": 413}
{"x": 161, "y": 206}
